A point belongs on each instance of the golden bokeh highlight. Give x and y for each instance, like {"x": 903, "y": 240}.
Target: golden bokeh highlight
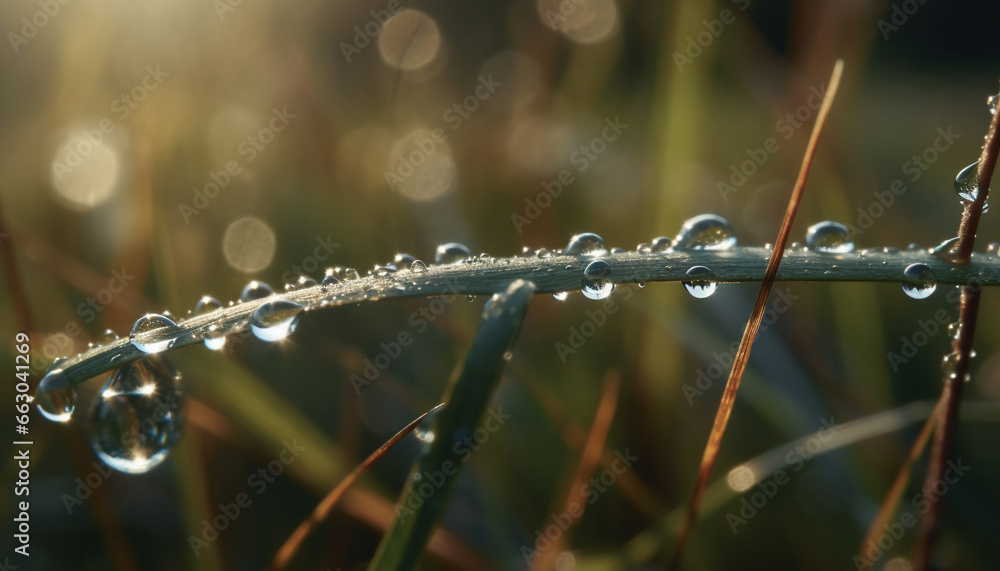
{"x": 84, "y": 174}
{"x": 249, "y": 245}
{"x": 421, "y": 167}
{"x": 409, "y": 40}
{"x": 583, "y": 21}
{"x": 741, "y": 479}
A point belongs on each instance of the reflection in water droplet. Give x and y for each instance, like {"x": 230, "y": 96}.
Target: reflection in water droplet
{"x": 967, "y": 183}
{"x": 585, "y": 244}
{"x": 829, "y": 237}
{"x": 700, "y": 286}
{"x": 214, "y": 338}
{"x": 597, "y": 282}
{"x": 561, "y": 296}
{"x": 705, "y": 232}
{"x": 255, "y": 290}
{"x": 55, "y": 404}
{"x": 136, "y": 419}
{"x": 152, "y": 333}
{"x": 451, "y": 253}
{"x": 275, "y": 320}
{"x": 206, "y": 304}
{"x": 919, "y": 281}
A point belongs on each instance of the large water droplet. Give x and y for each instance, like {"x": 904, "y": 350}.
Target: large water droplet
{"x": 919, "y": 281}
{"x": 967, "y": 183}
{"x": 597, "y": 282}
{"x": 153, "y": 333}
{"x": 451, "y": 253}
{"x": 585, "y": 244}
{"x": 275, "y": 320}
{"x": 699, "y": 285}
{"x": 255, "y": 290}
{"x": 137, "y": 417}
{"x": 206, "y": 304}
{"x": 705, "y": 232}
{"x": 55, "y": 404}
{"x": 829, "y": 237}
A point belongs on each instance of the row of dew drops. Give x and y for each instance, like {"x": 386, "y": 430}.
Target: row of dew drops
{"x": 137, "y": 420}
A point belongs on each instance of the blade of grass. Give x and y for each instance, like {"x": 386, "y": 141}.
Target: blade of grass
{"x": 466, "y": 403}
{"x": 954, "y": 384}
{"x": 753, "y": 325}
{"x": 287, "y": 551}
{"x": 589, "y": 457}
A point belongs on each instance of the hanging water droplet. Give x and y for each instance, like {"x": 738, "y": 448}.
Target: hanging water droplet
{"x": 55, "y": 404}
{"x": 255, "y": 290}
{"x": 641, "y": 284}
{"x": 451, "y": 253}
{"x": 153, "y": 333}
{"x": 829, "y": 237}
{"x": 470, "y": 298}
{"x": 954, "y": 329}
{"x": 425, "y": 429}
{"x": 561, "y": 296}
{"x": 585, "y": 244}
{"x": 700, "y": 285}
{"x": 949, "y": 365}
{"x": 206, "y": 304}
{"x": 137, "y": 417}
{"x": 919, "y": 281}
{"x": 597, "y": 282}
{"x": 418, "y": 267}
{"x": 705, "y": 232}
{"x": 215, "y": 339}
{"x": 275, "y": 320}
{"x": 992, "y": 101}
{"x": 967, "y": 183}
{"x": 660, "y": 244}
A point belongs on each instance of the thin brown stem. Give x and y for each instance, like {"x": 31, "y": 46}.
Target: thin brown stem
{"x": 954, "y": 383}
{"x": 711, "y": 453}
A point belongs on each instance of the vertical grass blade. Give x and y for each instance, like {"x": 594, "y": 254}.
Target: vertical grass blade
{"x": 465, "y": 403}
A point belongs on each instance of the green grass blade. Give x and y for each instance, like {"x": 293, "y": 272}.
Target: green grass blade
{"x": 466, "y": 402}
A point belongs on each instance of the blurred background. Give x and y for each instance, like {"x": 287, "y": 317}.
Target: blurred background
{"x": 153, "y": 152}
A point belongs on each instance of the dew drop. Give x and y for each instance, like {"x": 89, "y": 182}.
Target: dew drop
{"x": 946, "y": 250}
{"x": 585, "y": 244}
{"x": 660, "y": 244}
{"x": 641, "y": 284}
{"x": 543, "y": 253}
{"x": 351, "y": 274}
{"x": 992, "y": 102}
{"x": 561, "y": 296}
{"x": 152, "y": 333}
{"x": 425, "y": 430}
{"x": 109, "y": 336}
{"x": 617, "y": 250}
{"x": 383, "y": 271}
{"x": 967, "y": 183}
{"x": 302, "y": 283}
{"x": 418, "y": 267}
{"x": 275, "y": 320}
{"x": 919, "y": 281}
{"x": 136, "y": 418}
{"x": 55, "y": 404}
{"x": 451, "y": 253}
{"x": 597, "y": 282}
{"x": 705, "y": 232}
{"x": 214, "y": 338}
{"x": 699, "y": 285}
{"x": 206, "y": 304}
{"x": 403, "y": 260}
{"x": 255, "y": 290}
{"x": 829, "y": 237}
